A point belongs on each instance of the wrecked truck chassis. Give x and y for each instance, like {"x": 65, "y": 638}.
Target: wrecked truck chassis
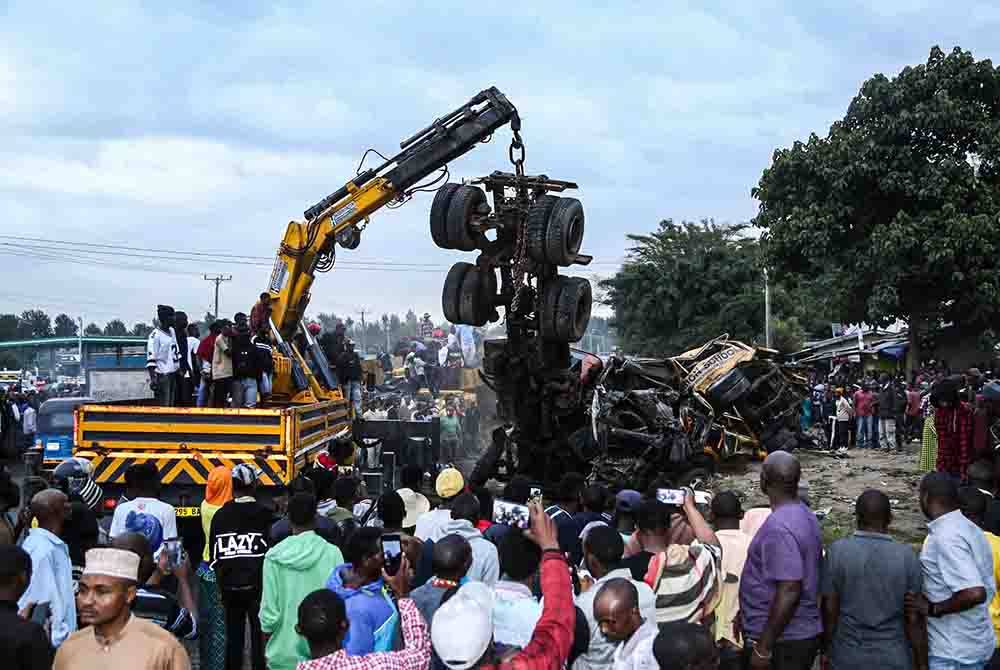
{"x": 631, "y": 426}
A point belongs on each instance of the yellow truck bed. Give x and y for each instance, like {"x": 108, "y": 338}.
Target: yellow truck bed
{"x": 185, "y": 443}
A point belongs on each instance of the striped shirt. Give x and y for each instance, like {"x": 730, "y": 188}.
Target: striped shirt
{"x": 686, "y": 581}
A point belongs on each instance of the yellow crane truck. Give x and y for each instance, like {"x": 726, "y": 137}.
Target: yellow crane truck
{"x": 306, "y": 410}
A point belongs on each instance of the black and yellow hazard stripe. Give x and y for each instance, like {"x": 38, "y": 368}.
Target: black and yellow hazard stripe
{"x": 184, "y": 468}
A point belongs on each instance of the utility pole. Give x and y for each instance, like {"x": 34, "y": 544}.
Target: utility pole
{"x": 767, "y": 311}
{"x": 364, "y": 334}
{"x": 217, "y": 279}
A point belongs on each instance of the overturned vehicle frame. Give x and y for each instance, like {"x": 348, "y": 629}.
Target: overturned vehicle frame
{"x": 630, "y": 422}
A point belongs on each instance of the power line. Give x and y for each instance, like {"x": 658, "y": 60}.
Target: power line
{"x": 171, "y": 254}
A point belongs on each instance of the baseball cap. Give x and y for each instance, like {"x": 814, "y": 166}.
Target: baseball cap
{"x": 628, "y": 500}
{"x": 449, "y": 484}
{"x": 463, "y": 626}
{"x": 245, "y": 474}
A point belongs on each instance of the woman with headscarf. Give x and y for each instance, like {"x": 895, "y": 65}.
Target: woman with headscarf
{"x": 212, "y": 622}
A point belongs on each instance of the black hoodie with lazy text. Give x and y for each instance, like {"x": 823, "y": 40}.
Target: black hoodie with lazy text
{"x": 238, "y": 543}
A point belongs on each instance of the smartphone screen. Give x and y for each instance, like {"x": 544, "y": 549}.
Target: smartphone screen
{"x": 392, "y": 549}
{"x": 670, "y": 496}
{"x": 174, "y": 549}
{"x": 510, "y": 514}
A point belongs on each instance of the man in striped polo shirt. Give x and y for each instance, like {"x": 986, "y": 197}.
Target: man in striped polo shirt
{"x": 685, "y": 577}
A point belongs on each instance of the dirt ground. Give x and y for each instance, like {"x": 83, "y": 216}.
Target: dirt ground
{"x": 835, "y": 483}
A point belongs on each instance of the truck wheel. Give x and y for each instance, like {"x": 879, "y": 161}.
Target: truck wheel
{"x": 452, "y": 291}
{"x": 536, "y": 226}
{"x": 696, "y": 478}
{"x": 470, "y": 297}
{"x": 573, "y": 309}
{"x": 548, "y": 305}
{"x": 464, "y": 205}
{"x": 439, "y": 215}
{"x": 564, "y": 233}
{"x": 475, "y": 301}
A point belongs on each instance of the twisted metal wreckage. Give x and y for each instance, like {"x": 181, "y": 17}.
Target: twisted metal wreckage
{"x": 629, "y": 422}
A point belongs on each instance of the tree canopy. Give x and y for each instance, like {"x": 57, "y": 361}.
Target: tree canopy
{"x": 895, "y": 211}
{"x": 66, "y": 326}
{"x": 687, "y": 283}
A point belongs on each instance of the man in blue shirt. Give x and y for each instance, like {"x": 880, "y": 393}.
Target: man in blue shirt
{"x": 958, "y": 581}
{"x": 865, "y": 581}
{"x": 51, "y": 570}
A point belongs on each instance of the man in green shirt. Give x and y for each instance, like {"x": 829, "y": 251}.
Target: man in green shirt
{"x": 451, "y": 434}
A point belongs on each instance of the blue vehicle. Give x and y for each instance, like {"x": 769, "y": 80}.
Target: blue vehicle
{"x": 55, "y": 429}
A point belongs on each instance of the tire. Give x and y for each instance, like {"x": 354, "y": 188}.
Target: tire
{"x": 463, "y": 205}
{"x": 536, "y": 226}
{"x": 439, "y": 215}
{"x": 564, "y": 233}
{"x": 547, "y": 309}
{"x": 469, "y": 298}
{"x": 573, "y": 309}
{"x": 728, "y": 390}
{"x": 452, "y": 291}
{"x": 487, "y": 293}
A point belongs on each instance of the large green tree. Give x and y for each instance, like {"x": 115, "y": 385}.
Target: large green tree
{"x": 34, "y": 323}
{"x": 895, "y": 210}
{"x": 65, "y": 326}
{"x": 92, "y": 329}
{"x": 685, "y": 284}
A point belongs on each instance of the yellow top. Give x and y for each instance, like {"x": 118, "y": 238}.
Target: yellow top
{"x": 208, "y": 511}
{"x": 995, "y": 603}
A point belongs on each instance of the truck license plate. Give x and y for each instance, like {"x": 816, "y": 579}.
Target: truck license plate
{"x": 188, "y": 511}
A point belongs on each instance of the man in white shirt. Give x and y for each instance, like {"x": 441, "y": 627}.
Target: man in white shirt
{"x": 603, "y": 548}
{"x": 616, "y": 609}
{"x": 29, "y": 424}
{"x": 143, "y": 489}
{"x": 163, "y": 357}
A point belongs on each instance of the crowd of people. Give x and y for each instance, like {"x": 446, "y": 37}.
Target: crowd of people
{"x": 955, "y": 416}
{"x": 18, "y": 421}
{"x": 230, "y": 367}
{"x": 595, "y": 581}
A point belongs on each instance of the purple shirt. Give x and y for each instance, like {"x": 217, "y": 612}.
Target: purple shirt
{"x": 788, "y": 547}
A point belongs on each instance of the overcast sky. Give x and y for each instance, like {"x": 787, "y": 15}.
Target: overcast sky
{"x": 206, "y": 127}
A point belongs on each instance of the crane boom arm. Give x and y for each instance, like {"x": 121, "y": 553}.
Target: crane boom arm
{"x": 308, "y": 246}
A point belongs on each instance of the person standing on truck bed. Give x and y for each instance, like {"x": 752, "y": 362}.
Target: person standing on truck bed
{"x": 239, "y": 543}
{"x": 163, "y": 357}
{"x": 194, "y": 362}
{"x": 265, "y": 362}
{"x": 142, "y": 488}
{"x": 205, "y": 353}
{"x": 349, "y": 371}
{"x": 260, "y": 315}
{"x": 184, "y": 379}
{"x": 245, "y": 368}
{"x": 222, "y": 365}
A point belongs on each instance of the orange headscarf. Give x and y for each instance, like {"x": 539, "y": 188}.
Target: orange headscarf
{"x": 219, "y": 489}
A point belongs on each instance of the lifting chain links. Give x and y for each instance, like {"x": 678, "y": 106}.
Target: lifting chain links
{"x": 517, "y": 154}
{"x": 517, "y": 147}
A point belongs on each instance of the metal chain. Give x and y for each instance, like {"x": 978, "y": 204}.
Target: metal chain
{"x": 517, "y": 144}
{"x": 520, "y": 251}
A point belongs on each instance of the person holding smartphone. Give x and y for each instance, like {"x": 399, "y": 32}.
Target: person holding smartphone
{"x": 686, "y": 577}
